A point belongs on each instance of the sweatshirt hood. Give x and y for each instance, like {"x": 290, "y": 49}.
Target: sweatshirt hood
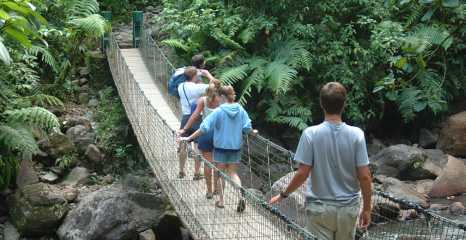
{"x": 231, "y": 110}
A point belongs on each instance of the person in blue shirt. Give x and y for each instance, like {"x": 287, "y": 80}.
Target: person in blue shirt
{"x": 228, "y": 123}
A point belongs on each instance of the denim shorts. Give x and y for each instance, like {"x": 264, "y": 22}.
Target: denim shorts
{"x": 227, "y": 156}
{"x": 206, "y": 142}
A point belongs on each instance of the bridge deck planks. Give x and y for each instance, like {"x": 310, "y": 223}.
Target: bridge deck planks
{"x": 217, "y": 223}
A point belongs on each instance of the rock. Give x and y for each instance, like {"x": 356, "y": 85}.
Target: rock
{"x": 457, "y": 209}
{"x": 107, "y": 179}
{"x": 407, "y": 163}
{"x": 93, "y": 153}
{"x": 75, "y": 82}
{"x": 111, "y": 213}
{"x": 49, "y": 177}
{"x": 83, "y": 98}
{"x": 132, "y": 182}
{"x": 452, "y": 137}
{"x": 84, "y": 88}
{"x": 427, "y": 139}
{"x": 83, "y": 71}
{"x": 44, "y": 157}
{"x": 70, "y": 194}
{"x": 80, "y": 136}
{"x": 73, "y": 120}
{"x": 37, "y": 209}
{"x": 438, "y": 207}
{"x": 83, "y": 81}
{"x": 57, "y": 170}
{"x": 93, "y": 102}
{"x": 294, "y": 204}
{"x": 147, "y": 235}
{"x": 374, "y": 147}
{"x": 77, "y": 176}
{"x": 57, "y": 145}
{"x": 452, "y": 180}
{"x": 424, "y": 186}
{"x": 401, "y": 190}
{"x": 26, "y": 175}
{"x": 9, "y": 232}
{"x": 171, "y": 227}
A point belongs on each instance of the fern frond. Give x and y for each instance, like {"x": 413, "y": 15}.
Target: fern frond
{"x": 45, "y": 100}
{"x": 279, "y": 77}
{"x": 292, "y": 52}
{"x": 81, "y": 8}
{"x": 225, "y": 40}
{"x": 417, "y": 12}
{"x": 247, "y": 35}
{"x": 291, "y": 121}
{"x": 17, "y": 139}
{"x": 9, "y": 166}
{"x": 256, "y": 77}
{"x": 176, "y": 43}
{"x": 92, "y": 26}
{"x": 34, "y": 117}
{"x": 47, "y": 57}
{"x": 234, "y": 74}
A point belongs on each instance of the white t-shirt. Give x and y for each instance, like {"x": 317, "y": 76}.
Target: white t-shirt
{"x": 193, "y": 92}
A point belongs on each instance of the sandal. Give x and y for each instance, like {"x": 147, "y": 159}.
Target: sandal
{"x": 197, "y": 177}
{"x": 216, "y": 192}
{"x": 209, "y": 195}
{"x": 218, "y": 205}
{"x": 181, "y": 175}
{"x": 241, "y": 206}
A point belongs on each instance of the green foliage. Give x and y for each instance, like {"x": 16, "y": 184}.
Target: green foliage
{"x": 66, "y": 161}
{"x": 408, "y": 54}
{"x": 17, "y": 139}
{"x": 34, "y": 117}
{"x": 8, "y": 168}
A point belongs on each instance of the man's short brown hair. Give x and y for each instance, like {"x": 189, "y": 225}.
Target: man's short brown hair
{"x": 198, "y": 61}
{"x": 333, "y": 97}
{"x": 190, "y": 72}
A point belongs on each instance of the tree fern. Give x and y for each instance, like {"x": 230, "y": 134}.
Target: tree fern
{"x": 225, "y": 40}
{"x": 176, "y": 43}
{"x": 417, "y": 12}
{"x": 93, "y": 26}
{"x": 47, "y": 57}
{"x": 255, "y": 78}
{"x": 234, "y": 74}
{"x": 292, "y": 52}
{"x": 18, "y": 139}
{"x": 45, "y": 100}
{"x": 34, "y": 117}
{"x": 279, "y": 77}
{"x": 81, "y": 8}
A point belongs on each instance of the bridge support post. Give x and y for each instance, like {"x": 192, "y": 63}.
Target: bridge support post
{"x": 138, "y": 21}
{"x": 106, "y": 38}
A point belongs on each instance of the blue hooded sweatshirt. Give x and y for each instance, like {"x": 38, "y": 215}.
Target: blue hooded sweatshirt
{"x": 228, "y": 123}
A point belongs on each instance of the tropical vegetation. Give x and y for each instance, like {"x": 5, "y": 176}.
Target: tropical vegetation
{"x": 402, "y": 60}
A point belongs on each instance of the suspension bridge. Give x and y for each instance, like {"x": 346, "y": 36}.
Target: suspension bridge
{"x": 141, "y": 76}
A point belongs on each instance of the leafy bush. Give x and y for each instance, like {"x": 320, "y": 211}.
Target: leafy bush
{"x": 408, "y": 54}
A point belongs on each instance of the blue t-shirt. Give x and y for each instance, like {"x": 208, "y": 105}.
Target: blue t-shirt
{"x": 335, "y": 151}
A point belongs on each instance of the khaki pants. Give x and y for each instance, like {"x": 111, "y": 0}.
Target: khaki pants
{"x": 329, "y": 222}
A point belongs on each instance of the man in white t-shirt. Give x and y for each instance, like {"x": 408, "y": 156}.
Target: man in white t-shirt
{"x": 189, "y": 93}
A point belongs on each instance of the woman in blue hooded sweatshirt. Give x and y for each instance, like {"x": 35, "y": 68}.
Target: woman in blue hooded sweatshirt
{"x": 228, "y": 123}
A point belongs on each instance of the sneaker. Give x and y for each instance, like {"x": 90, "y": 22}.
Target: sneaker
{"x": 241, "y": 206}
{"x": 181, "y": 175}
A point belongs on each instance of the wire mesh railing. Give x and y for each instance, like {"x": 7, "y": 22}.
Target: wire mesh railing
{"x": 266, "y": 168}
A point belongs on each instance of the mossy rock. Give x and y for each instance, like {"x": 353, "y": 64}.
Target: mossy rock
{"x": 37, "y": 209}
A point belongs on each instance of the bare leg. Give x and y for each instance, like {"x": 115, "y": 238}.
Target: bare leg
{"x": 182, "y": 156}
{"x": 197, "y": 161}
{"x": 221, "y": 167}
{"x": 233, "y": 172}
{"x": 208, "y": 171}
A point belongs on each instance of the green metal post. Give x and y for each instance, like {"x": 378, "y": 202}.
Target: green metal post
{"x": 106, "y": 38}
{"x": 138, "y": 21}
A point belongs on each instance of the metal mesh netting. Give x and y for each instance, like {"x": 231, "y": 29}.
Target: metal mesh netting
{"x": 266, "y": 168}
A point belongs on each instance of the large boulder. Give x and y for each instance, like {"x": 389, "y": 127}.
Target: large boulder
{"x": 77, "y": 176}
{"x": 112, "y": 213}
{"x": 93, "y": 154}
{"x": 81, "y": 136}
{"x": 408, "y": 163}
{"x": 427, "y": 138}
{"x": 293, "y": 207}
{"x": 74, "y": 120}
{"x": 27, "y": 175}
{"x": 57, "y": 145}
{"x": 37, "y": 209}
{"x": 402, "y": 190}
{"x": 452, "y": 180}
{"x": 452, "y": 138}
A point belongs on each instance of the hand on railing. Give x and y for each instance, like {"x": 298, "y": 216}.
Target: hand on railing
{"x": 180, "y": 132}
{"x": 183, "y": 139}
{"x": 254, "y": 132}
